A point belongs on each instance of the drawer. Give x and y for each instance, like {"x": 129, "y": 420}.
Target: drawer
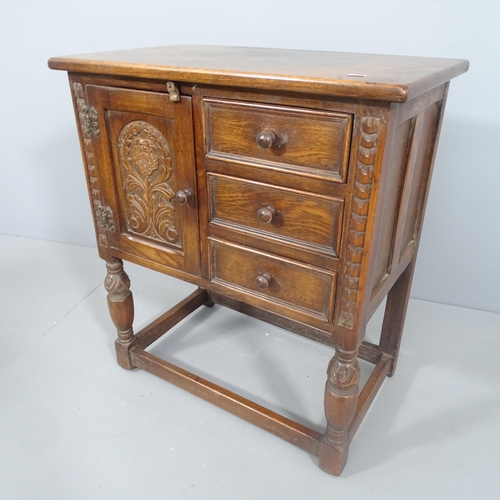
{"x": 304, "y": 141}
{"x": 283, "y": 283}
{"x": 293, "y": 217}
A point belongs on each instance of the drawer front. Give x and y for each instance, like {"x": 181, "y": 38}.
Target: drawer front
{"x": 308, "y": 142}
{"x": 280, "y": 281}
{"x": 290, "y": 216}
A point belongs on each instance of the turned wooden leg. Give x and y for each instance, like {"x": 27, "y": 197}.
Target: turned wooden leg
{"x": 341, "y": 397}
{"x": 121, "y": 309}
{"x": 209, "y": 302}
{"x": 394, "y": 316}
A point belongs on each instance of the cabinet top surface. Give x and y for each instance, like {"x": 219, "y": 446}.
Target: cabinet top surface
{"x": 344, "y": 74}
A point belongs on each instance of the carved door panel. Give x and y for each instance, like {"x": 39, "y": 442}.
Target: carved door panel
{"x": 145, "y": 156}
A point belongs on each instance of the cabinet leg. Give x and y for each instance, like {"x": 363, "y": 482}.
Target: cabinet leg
{"x": 341, "y": 397}
{"x": 121, "y": 309}
{"x": 394, "y": 316}
{"x": 209, "y": 302}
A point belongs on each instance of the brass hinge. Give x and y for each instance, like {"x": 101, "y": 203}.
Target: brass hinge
{"x": 173, "y": 90}
{"x": 90, "y": 120}
{"x": 105, "y": 218}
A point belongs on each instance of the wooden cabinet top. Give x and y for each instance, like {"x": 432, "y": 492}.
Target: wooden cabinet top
{"x": 344, "y": 74}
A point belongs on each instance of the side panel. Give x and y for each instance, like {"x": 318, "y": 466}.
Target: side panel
{"x": 413, "y": 134}
{"x": 389, "y": 205}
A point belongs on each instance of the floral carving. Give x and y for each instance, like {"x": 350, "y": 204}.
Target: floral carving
{"x": 146, "y": 166}
{"x": 117, "y": 282}
{"x": 144, "y": 156}
{"x": 343, "y": 374}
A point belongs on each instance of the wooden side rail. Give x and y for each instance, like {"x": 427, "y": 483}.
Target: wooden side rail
{"x": 369, "y": 352}
{"x": 367, "y": 395}
{"x": 165, "y": 322}
{"x": 297, "y": 434}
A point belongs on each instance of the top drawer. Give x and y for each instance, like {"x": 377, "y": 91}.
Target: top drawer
{"x": 308, "y": 142}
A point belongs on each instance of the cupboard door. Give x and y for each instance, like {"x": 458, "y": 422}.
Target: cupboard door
{"x": 144, "y": 150}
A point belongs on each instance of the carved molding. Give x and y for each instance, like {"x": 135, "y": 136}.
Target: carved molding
{"x": 90, "y": 166}
{"x": 146, "y": 166}
{"x": 367, "y": 151}
{"x": 341, "y": 395}
{"x": 343, "y": 372}
{"x": 120, "y": 302}
{"x": 117, "y": 282}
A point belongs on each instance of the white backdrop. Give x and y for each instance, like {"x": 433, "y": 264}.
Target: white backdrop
{"x": 43, "y": 193}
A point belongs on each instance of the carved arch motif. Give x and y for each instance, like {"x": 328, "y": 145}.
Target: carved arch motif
{"x": 146, "y": 166}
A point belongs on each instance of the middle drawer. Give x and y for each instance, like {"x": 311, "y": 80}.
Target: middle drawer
{"x": 286, "y": 215}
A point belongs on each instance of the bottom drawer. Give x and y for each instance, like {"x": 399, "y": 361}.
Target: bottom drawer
{"x": 279, "y": 281}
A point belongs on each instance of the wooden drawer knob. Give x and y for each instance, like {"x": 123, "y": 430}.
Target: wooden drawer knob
{"x": 183, "y": 196}
{"x": 266, "y": 214}
{"x": 263, "y": 280}
{"x": 266, "y": 140}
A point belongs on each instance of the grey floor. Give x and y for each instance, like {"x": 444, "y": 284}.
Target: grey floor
{"x": 73, "y": 425}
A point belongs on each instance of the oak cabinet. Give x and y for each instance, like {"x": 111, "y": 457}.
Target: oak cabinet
{"x": 288, "y": 185}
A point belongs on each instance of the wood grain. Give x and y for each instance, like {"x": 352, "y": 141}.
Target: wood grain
{"x": 305, "y": 287}
{"x": 367, "y": 76}
{"x": 307, "y": 142}
{"x": 300, "y": 218}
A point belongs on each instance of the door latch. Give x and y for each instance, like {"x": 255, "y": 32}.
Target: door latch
{"x": 173, "y": 90}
